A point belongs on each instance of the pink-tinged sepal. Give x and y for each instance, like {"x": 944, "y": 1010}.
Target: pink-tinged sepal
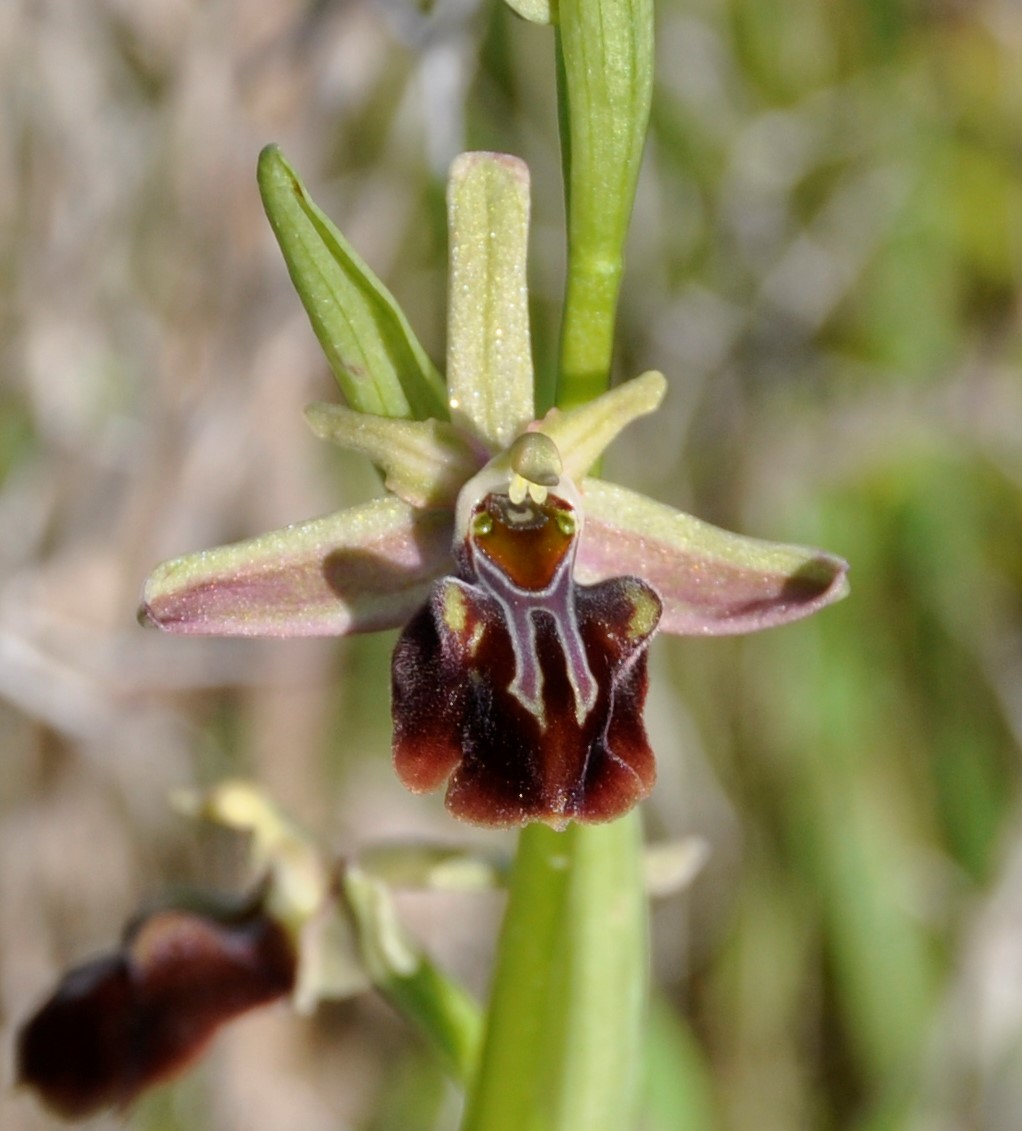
{"x": 460, "y": 718}
{"x": 711, "y": 582}
{"x": 358, "y": 570}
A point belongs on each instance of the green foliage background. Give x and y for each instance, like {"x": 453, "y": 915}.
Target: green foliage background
{"x": 825, "y": 262}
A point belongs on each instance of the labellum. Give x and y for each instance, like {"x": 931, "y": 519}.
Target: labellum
{"x": 520, "y": 688}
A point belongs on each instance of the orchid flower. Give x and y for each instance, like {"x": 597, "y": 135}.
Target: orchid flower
{"x": 142, "y": 1013}
{"x": 527, "y": 589}
{"x": 308, "y": 927}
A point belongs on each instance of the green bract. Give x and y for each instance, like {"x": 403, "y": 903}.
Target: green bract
{"x": 376, "y": 358}
{"x": 605, "y": 82}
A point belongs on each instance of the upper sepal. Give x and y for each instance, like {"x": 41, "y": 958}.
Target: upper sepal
{"x": 489, "y": 350}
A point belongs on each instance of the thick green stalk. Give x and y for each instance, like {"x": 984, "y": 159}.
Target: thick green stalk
{"x": 605, "y": 83}
{"x": 566, "y": 1011}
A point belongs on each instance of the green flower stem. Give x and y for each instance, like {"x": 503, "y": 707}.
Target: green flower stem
{"x": 605, "y": 82}
{"x": 445, "y": 1013}
{"x": 562, "y": 1047}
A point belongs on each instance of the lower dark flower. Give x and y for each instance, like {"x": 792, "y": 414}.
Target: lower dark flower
{"x": 130, "y": 1019}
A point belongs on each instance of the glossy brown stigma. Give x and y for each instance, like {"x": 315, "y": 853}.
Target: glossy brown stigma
{"x": 526, "y": 541}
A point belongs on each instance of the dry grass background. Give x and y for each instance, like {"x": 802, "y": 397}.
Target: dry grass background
{"x": 826, "y": 262}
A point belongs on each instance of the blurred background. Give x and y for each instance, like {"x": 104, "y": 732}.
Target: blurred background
{"x": 825, "y": 262}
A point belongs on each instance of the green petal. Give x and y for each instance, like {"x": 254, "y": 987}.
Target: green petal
{"x": 424, "y": 462}
{"x": 489, "y": 358}
{"x": 711, "y": 582}
{"x": 582, "y": 434}
{"x": 358, "y": 570}
{"x": 377, "y": 360}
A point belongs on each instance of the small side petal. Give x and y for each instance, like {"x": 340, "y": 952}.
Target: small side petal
{"x": 358, "y": 570}
{"x": 711, "y": 582}
{"x": 583, "y": 434}
{"x": 424, "y": 462}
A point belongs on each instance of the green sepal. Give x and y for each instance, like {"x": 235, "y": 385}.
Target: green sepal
{"x": 489, "y": 351}
{"x": 712, "y": 582}
{"x": 356, "y": 570}
{"x": 376, "y": 358}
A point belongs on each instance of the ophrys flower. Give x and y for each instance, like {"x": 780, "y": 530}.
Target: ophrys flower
{"x": 528, "y": 590}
